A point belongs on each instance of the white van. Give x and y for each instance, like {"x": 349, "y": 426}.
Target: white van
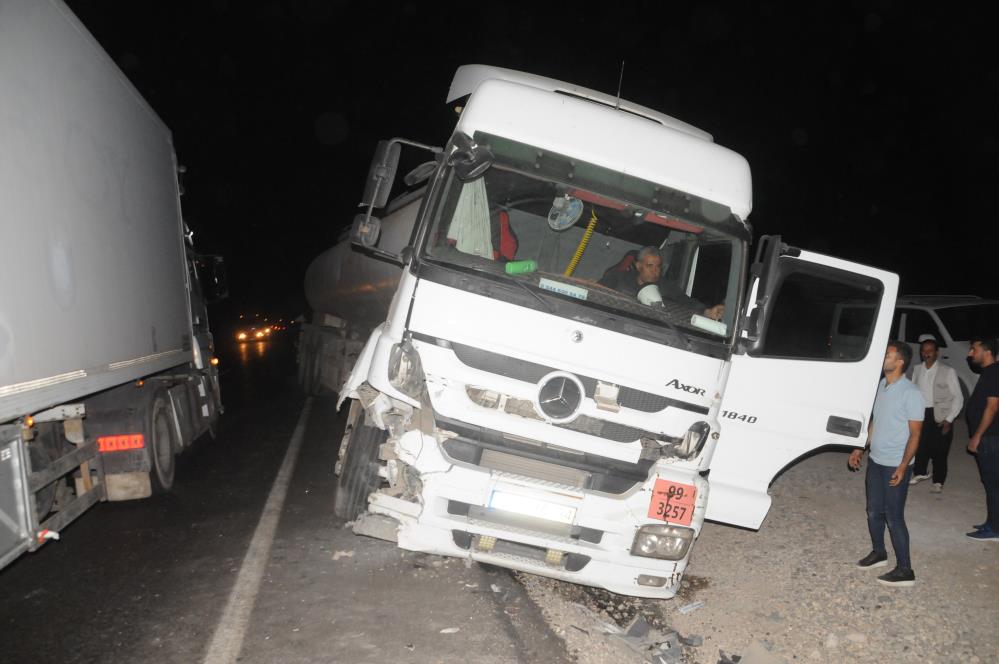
{"x": 952, "y": 320}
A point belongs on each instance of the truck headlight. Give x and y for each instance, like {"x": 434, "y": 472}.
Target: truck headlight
{"x": 405, "y": 373}
{"x": 662, "y": 541}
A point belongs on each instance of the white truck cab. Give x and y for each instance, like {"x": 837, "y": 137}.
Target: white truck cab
{"x": 525, "y": 400}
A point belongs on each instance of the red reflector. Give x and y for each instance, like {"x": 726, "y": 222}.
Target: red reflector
{"x": 128, "y": 441}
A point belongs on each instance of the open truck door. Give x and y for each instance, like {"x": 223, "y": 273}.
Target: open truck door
{"x": 790, "y": 390}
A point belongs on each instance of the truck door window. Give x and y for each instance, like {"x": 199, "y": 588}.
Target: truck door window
{"x": 821, "y": 314}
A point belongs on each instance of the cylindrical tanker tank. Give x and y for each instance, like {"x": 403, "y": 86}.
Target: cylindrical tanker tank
{"x": 354, "y": 286}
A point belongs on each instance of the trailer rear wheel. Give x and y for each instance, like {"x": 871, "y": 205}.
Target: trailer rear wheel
{"x": 359, "y": 474}
{"x": 162, "y": 445}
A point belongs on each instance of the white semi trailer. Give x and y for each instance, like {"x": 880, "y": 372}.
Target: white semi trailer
{"x": 107, "y": 365}
{"x": 521, "y": 397}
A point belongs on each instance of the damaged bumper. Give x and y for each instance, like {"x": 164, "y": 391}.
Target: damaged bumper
{"x": 544, "y": 523}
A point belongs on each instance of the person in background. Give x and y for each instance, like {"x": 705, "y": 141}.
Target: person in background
{"x": 892, "y": 439}
{"x": 942, "y": 398}
{"x": 983, "y": 427}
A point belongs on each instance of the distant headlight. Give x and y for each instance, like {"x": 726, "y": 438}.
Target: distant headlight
{"x": 241, "y": 336}
{"x": 259, "y": 334}
{"x": 405, "y": 373}
{"x": 662, "y": 541}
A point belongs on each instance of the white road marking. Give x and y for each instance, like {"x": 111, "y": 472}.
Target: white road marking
{"x": 228, "y": 639}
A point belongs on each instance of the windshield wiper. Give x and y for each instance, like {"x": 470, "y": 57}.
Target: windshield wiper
{"x": 545, "y": 303}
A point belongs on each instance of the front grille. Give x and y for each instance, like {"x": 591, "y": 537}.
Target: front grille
{"x": 530, "y": 372}
{"x": 542, "y": 470}
{"x": 523, "y": 553}
{"x": 601, "y": 474}
{"x": 619, "y": 433}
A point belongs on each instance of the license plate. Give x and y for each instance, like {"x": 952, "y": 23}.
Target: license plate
{"x": 672, "y": 502}
{"x": 541, "y": 509}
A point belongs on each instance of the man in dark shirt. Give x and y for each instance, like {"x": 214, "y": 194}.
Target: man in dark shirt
{"x": 648, "y": 269}
{"x": 983, "y": 426}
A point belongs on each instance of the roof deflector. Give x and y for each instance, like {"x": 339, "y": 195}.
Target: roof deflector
{"x": 468, "y": 77}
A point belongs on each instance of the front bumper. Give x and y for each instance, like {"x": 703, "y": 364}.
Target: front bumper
{"x": 576, "y": 535}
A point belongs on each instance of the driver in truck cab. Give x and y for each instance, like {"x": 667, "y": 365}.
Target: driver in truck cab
{"x": 647, "y": 270}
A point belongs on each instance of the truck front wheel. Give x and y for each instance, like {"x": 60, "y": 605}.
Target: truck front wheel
{"x": 359, "y": 473}
{"x": 162, "y": 447}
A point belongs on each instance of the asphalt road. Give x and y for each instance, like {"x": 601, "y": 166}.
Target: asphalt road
{"x": 244, "y": 560}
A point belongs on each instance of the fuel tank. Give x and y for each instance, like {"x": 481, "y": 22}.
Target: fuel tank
{"x": 357, "y": 287}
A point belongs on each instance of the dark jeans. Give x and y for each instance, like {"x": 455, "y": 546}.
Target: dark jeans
{"x": 934, "y": 445}
{"x": 886, "y": 504}
{"x": 988, "y": 464}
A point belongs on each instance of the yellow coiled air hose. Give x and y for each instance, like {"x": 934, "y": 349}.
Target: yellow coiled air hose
{"x": 582, "y": 243}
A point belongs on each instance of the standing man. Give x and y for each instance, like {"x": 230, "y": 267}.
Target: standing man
{"x": 943, "y": 401}
{"x": 983, "y": 425}
{"x": 892, "y": 439}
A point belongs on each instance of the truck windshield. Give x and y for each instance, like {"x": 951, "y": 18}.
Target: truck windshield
{"x": 567, "y": 238}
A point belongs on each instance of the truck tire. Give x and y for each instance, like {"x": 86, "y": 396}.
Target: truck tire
{"x": 359, "y": 474}
{"x": 162, "y": 445}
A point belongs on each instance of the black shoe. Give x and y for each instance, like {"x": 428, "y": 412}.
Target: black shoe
{"x": 900, "y": 577}
{"x": 980, "y": 526}
{"x": 872, "y": 560}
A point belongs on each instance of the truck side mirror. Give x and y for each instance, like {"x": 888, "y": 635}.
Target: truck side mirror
{"x": 381, "y": 175}
{"x": 214, "y": 285}
{"x": 469, "y": 159}
{"x": 365, "y": 230}
{"x": 420, "y": 174}
{"x": 765, "y": 272}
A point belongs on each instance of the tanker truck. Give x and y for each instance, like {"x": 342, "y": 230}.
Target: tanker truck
{"x": 107, "y": 366}
{"x": 561, "y": 356}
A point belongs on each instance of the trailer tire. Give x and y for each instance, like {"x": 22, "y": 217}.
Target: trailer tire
{"x": 359, "y": 474}
{"x": 162, "y": 445}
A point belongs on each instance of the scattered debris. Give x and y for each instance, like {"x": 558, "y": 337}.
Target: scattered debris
{"x": 757, "y": 653}
{"x": 337, "y": 555}
{"x": 638, "y": 627}
{"x": 377, "y": 526}
{"x": 410, "y": 647}
{"x": 450, "y": 630}
{"x": 584, "y": 631}
{"x": 724, "y": 658}
{"x": 693, "y": 641}
{"x": 495, "y": 588}
{"x": 690, "y": 608}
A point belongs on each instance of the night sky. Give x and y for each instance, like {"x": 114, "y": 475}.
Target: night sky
{"x": 870, "y": 128}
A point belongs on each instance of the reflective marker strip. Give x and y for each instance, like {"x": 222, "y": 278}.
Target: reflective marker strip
{"x": 128, "y": 441}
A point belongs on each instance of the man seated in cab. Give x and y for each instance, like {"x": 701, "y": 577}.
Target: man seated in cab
{"x": 648, "y": 269}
